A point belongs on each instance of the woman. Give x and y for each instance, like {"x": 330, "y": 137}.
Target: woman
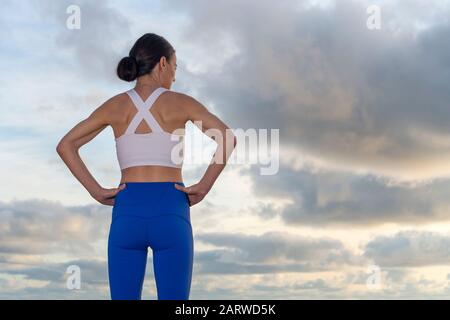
{"x": 151, "y": 206}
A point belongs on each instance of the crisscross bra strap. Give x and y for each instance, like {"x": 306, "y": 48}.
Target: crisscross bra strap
{"x": 144, "y": 111}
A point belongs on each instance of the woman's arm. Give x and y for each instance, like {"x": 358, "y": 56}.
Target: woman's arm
{"x": 216, "y": 130}
{"x": 78, "y": 136}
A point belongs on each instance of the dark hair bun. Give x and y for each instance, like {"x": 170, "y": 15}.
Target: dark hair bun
{"x": 127, "y": 69}
{"x": 144, "y": 56}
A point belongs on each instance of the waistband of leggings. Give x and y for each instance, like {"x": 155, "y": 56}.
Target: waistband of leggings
{"x": 150, "y": 183}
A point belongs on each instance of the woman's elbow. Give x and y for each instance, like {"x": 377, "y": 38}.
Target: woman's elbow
{"x": 62, "y": 146}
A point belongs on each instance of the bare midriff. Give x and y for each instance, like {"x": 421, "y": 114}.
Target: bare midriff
{"x": 151, "y": 173}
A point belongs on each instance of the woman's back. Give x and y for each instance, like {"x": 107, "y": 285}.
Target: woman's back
{"x": 145, "y": 123}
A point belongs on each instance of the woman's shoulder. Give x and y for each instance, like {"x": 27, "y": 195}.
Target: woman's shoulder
{"x": 178, "y": 100}
{"x": 122, "y": 97}
{"x": 111, "y": 108}
{"x": 117, "y": 99}
{"x": 191, "y": 106}
{"x": 114, "y": 104}
{"x": 184, "y": 100}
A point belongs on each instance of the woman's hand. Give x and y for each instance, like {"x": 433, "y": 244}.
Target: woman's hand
{"x": 195, "y": 193}
{"x": 107, "y": 196}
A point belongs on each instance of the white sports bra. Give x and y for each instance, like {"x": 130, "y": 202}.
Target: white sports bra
{"x": 154, "y": 148}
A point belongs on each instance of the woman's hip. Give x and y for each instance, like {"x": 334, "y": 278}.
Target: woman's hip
{"x": 151, "y": 199}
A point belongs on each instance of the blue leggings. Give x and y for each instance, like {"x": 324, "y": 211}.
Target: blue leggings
{"x": 156, "y": 215}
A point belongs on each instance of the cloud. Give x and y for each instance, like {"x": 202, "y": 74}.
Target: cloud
{"x": 271, "y": 252}
{"x": 95, "y": 48}
{"x": 337, "y": 91}
{"x": 330, "y": 198}
{"x": 409, "y": 249}
{"x": 268, "y": 260}
{"x": 42, "y": 227}
{"x": 48, "y": 281}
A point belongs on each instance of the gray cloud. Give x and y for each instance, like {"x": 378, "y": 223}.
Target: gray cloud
{"x": 235, "y": 254}
{"x": 40, "y": 227}
{"x": 94, "y": 280}
{"x": 92, "y": 271}
{"x": 409, "y": 249}
{"x": 271, "y": 252}
{"x": 98, "y": 45}
{"x": 389, "y": 275}
{"x": 396, "y": 283}
{"x": 337, "y": 90}
{"x": 329, "y": 198}
{"x": 317, "y": 284}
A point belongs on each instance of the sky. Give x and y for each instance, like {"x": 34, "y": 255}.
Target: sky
{"x": 358, "y": 207}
